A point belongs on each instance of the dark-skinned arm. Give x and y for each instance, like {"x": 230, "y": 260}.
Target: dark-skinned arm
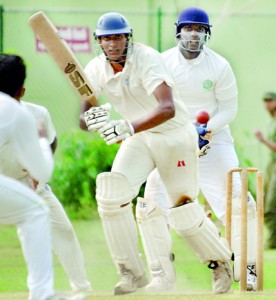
{"x": 162, "y": 113}
{"x": 85, "y": 105}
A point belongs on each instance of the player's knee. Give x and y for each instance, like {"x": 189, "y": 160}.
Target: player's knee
{"x": 113, "y": 192}
{"x": 187, "y": 219}
{"x": 147, "y": 209}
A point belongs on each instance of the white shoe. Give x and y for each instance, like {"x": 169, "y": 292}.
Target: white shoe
{"x": 142, "y": 281}
{"x": 251, "y": 278}
{"x": 129, "y": 284}
{"x": 222, "y": 278}
{"x": 159, "y": 284}
{"x": 76, "y": 297}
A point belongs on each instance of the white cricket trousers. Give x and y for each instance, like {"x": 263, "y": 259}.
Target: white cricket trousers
{"x": 173, "y": 152}
{"x": 65, "y": 242}
{"x": 213, "y": 168}
{"x": 21, "y": 207}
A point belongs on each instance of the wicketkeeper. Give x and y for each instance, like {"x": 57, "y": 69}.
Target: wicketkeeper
{"x": 205, "y": 81}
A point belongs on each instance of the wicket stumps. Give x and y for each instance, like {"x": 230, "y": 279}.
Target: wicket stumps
{"x": 260, "y": 222}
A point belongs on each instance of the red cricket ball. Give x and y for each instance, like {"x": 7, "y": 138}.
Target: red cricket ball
{"x": 202, "y": 117}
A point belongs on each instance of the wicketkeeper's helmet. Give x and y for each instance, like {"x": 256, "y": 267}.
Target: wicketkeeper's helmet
{"x": 112, "y": 23}
{"x": 192, "y": 15}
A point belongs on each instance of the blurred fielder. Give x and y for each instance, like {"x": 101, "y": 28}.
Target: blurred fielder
{"x": 155, "y": 133}
{"x": 21, "y": 146}
{"x": 65, "y": 242}
{"x": 206, "y": 82}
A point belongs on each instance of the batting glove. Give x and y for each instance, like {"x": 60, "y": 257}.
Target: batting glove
{"x": 204, "y": 137}
{"x": 97, "y": 116}
{"x": 116, "y": 131}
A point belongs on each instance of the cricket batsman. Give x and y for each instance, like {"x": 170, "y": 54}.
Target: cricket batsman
{"x": 154, "y": 132}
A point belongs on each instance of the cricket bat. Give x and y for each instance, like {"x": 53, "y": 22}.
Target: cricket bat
{"x": 45, "y": 30}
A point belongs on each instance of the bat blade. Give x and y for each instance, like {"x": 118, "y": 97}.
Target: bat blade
{"x": 48, "y": 34}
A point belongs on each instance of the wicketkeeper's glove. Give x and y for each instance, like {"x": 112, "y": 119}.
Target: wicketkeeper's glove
{"x": 97, "y": 116}
{"x": 204, "y": 137}
{"x": 116, "y": 131}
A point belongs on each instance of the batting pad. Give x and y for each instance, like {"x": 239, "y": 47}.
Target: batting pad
{"x": 191, "y": 223}
{"x": 156, "y": 238}
{"x": 251, "y": 234}
{"x": 112, "y": 189}
{"x": 118, "y": 222}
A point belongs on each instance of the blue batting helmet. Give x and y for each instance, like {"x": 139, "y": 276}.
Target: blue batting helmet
{"x": 192, "y": 15}
{"x": 112, "y": 23}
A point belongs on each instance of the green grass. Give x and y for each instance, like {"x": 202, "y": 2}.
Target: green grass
{"x": 193, "y": 278}
{"x": 186, "y": 296}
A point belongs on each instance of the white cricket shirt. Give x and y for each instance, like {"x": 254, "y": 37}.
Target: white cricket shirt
{"x": 41, "y": 115}
{"x": 131, "y": 91}
{"x": 205, "y": 83}
{"x": 20, "y": 146}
